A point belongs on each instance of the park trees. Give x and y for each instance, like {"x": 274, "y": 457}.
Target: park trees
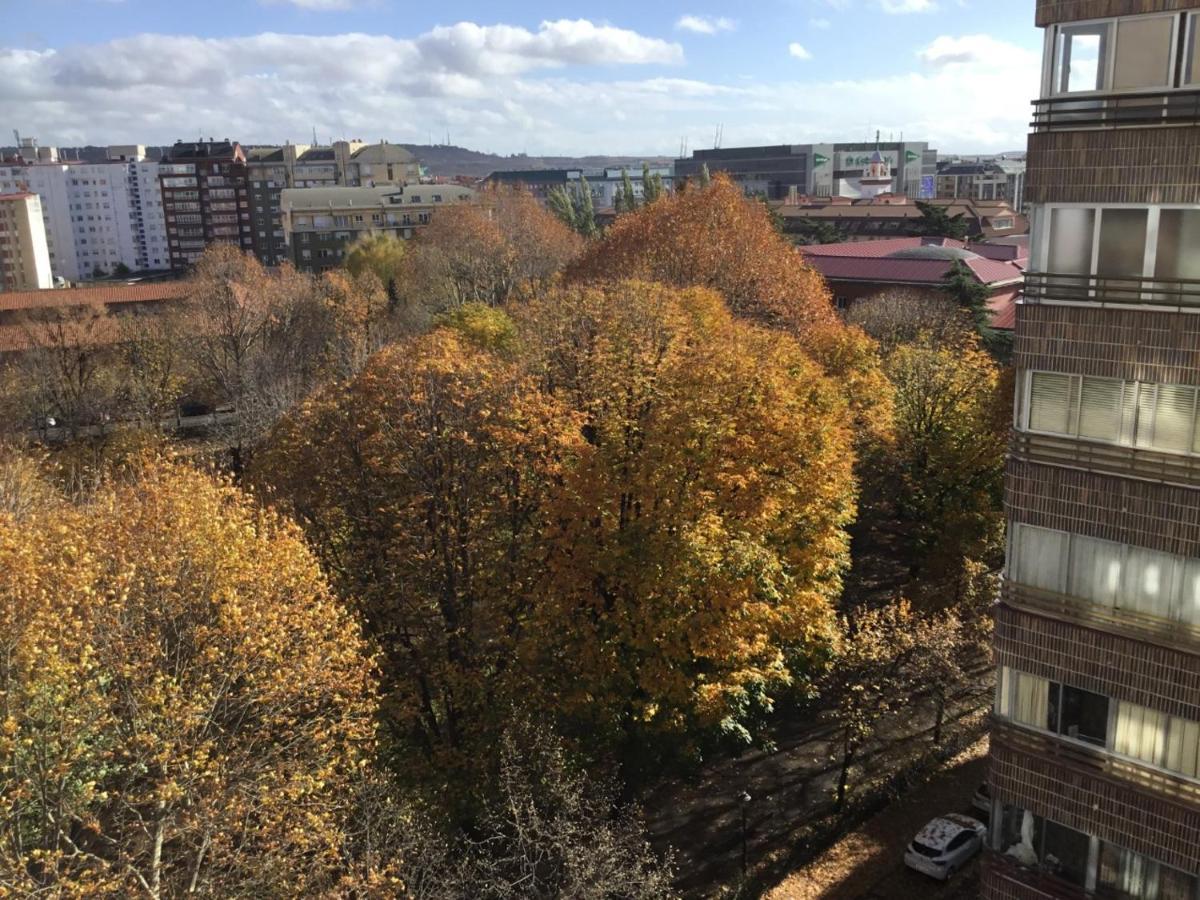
{"x": 179, "y": 690}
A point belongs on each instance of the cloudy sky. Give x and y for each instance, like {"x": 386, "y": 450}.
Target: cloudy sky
{"x": 536, "y": 76}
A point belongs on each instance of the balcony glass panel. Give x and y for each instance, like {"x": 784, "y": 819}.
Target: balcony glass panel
{"x": 1038, "y": 558}
{"x": 1122, "y": 243}
{"x": 1071, "y": 231}
{"x": 1125, "y": 875}
{"x": 1143, "y": 53}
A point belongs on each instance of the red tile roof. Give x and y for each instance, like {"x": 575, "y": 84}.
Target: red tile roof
{"x": 108, "y": 295}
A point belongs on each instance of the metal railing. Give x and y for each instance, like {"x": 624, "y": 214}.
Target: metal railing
{"x": 1135, "y": 110}
{"x": 1079, "y": 611}
{"x": 1171, "y": 293}
{"x": 1095, "y": 762}
{"x": 1112, "y": 459}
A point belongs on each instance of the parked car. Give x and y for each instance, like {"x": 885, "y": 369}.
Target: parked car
{"x": 982, "y": 800}
{"x": 945, "y": 845}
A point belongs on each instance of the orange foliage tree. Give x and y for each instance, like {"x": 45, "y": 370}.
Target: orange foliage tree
{"x": 625, "y": 506}
{"x": 183, "y": 704}
{"x": 715, "y": 237}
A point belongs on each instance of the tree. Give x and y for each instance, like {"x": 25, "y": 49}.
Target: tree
{"x": 939, "y": 666}
{"x": 808, "y": 231}
{"x": 183, "y": 704}
{"x": 652, "y": 185}
{"x": 504, "y": 246}
{"x": 705, "y": 177}
{"x": 894, "y": 318}
{"x": 122, "y": 270}
{"x": 575, "y": 208}
{"x": 867, "y": 679}
{"x": 626, "y": 200}
{"x": 718, "y": 239}
{"x": 936, "y": 221}
{"x": 360, "y": 320}
{"x": 381, "y": 254}
{"x": 965, "y": 288}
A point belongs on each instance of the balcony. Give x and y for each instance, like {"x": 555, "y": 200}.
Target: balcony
{"x": 1109, "y": 459}
{"x": 1145, "y": 109}
{"x": 1175, "y": 294}
{"x": 1130, "y": 623}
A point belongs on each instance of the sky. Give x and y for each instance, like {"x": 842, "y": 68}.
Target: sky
{"x": 626, "y": 77}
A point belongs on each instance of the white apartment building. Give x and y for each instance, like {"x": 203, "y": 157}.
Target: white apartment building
{"x": 24, "y": 256}
{"x": 98, "y": 216}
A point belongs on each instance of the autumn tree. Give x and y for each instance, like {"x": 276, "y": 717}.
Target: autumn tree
{"x": 652, "y": 185}
{"x": 939, "y": 667}
{"x": 381, "y": 254}
{"x": 626, "y": 199}
{"x": 358, "y": 320}
{"x": 183, "y": 704}
{"x": 500, "y": 247}
{"x": 575, "y": 208}
{"x": 894, "y": 318}
{"x": 716, "y": 238}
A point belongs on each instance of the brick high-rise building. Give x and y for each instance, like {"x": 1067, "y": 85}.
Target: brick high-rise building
{"x": 24, "y": 256}
{"x": 1095, "y": 769}
{"x": 206, "y": 199}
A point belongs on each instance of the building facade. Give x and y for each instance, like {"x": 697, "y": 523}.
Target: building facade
{"x": 206, "y": 199}
{"x": 98, "y": 216}
{"x": 319, "y": 224}
{"x": 24, "y": 254}
{"x": 1095, "y": 749}
{"x": 984, "y": 179}
{"x": 851, "y": 170}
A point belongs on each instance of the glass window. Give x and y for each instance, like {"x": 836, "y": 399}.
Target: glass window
{"x": 1077, "y": 714}
{"x": 1178, "y": 235}
{"x": 1024, "y": 698}
{"x": 1100, "y": 409}
{"x": 1122, "y": 243}
{"x": 1079, "y": 58}
{"x": 1125, "y": 875}
{"x": 1174, "y": 415}
{"x": 1071, "y": 233}
{"x": 1038, "y": 843}
{"x": 1039, "y": 557}
{"x": 1095, "y": 570}
{"x": 1148, "y": 583}
{"x": 1191, "y": 74}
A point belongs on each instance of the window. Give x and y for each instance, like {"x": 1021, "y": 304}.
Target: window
{"x": 1126, "y": 54}
{"x": 1157, "y": 739}
{"x": 1023, "y": 698}
{"x": 1122, "y": 243}
{"x": 1143, "y": 53}
{"x": 1079, "y": 715}
{"x": 1071, "y": 231}
{"x": 1125, "y": 875}
{"x": 1038, "y": 843}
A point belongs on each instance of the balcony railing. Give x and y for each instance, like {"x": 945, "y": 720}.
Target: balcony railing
{"x": 1171, "y": 293}
{"x": 1095, "y": 762}
{"x": 1076, "y": 610}
{"x": 1140, "y": 110}
{"x": 1111, "y": 459}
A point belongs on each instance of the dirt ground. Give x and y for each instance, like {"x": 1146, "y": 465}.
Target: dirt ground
{"x": 868, "y": 863}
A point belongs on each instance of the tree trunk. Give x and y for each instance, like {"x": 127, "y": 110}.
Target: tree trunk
{"x": 848, "y": 753}
{"x": 939, "y": 718}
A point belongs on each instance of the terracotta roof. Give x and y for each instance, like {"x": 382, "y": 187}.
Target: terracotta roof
{"x": 876, "y": 261}
{"x": 107, "y": 295}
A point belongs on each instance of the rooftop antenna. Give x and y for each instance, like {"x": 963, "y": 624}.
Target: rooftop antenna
{"x": 314, "y": 135}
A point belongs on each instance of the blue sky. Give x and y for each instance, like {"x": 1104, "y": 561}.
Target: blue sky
{"x": 529, "y": 76}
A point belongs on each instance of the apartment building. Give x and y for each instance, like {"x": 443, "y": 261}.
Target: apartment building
{"x": 24, "y": 255}
{"x": 321, "y": 223}
{"x": 206, "y": 199}
{"x": 98, "y": 216}
{"x": 272, "y": 170}
{"x": 982, "y": 179}
{"x": 1095, "y": 749}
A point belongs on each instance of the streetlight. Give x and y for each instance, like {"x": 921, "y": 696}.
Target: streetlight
{"x": 744, "y": 799}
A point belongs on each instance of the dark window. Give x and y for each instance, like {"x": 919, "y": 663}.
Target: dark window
{"x": 959, "y": 841}
{"x": 1077, "y": 714}
{"x": 925, "y": 850}
{"x": 1038, "y": 843}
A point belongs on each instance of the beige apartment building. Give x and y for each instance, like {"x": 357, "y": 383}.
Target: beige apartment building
{"x": 319, "y": 224}
{"x": 24, "y": 253}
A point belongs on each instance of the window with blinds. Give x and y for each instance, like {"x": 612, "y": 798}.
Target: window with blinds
{"x": 1159, "y": 417}
{"x": 1152, "y": 737}
{"x": 1107, "y": 574}
{"x": 1023, "y": 698}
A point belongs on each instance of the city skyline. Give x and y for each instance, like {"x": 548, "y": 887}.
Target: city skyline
{"x": 546, "y": 79}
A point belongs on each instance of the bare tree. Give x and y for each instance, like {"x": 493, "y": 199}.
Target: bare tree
{"x": 906, "y": 316}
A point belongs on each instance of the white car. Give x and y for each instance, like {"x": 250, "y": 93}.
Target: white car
{"x": 945, "y": 845}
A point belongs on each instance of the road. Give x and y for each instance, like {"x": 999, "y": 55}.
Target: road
{"x": 868, "y": 864}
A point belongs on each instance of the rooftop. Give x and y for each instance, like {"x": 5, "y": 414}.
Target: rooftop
{"x": 108, "y": 295}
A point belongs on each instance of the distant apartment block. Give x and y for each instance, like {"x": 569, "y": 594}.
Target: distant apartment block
{"x": 206, "y": 199}
{"x": 605, "y": 185}
{"x": 97, "y": 216}
{"x": 24, "y": 254}
{"x": 992, "y": 179}
{"x": 346, "y": 163}
{"x": 1095, "y": 745}
{"x": 319, "y": 224}
{"x": 853, "y": 170}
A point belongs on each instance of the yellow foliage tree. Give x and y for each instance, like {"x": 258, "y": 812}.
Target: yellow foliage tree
{"x": 183, "y": 704}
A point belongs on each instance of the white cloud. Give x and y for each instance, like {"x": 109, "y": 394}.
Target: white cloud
{"x": 705, "y": 24}
{"x": 498, "y": 88}
{"x": 907, "y": 6}
{"x": 819, "y": 24}
{"x": 798, "y": 51}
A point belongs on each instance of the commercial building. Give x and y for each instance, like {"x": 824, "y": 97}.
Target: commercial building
{"x": 604, "y": 184}
{"x": 852, "y": 170}
{"x": 983, "y": 179}
{"x": 272, "y": 170}
{"x": 98, "y": 216}
{"x": 24, "y": 256}
{"x": 320, "y": 223}
{"x": 890, "y": 216}
{"x": 206, "y": 199}
{"x": 919, "y": 266}
{"x": 1095, "y": 746}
